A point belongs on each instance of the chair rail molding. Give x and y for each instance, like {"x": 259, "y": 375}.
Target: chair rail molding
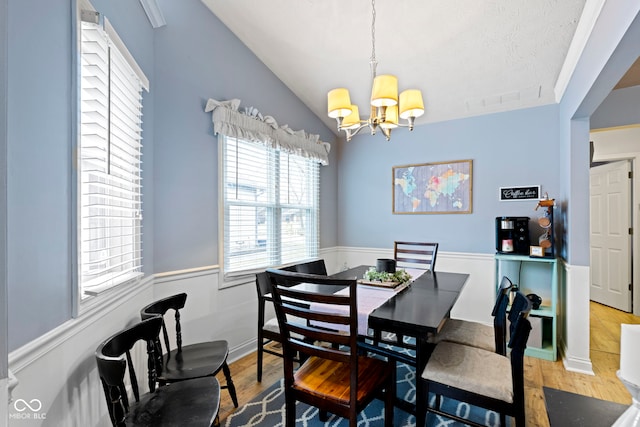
{"x": 47, "y": 342}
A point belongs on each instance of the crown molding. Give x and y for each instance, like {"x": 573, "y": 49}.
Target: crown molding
{"x": 152, "y": 9}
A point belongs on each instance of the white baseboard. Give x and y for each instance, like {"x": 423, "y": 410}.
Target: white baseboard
{"x": 582, "y": 366}
{"x": 242, "y": 350}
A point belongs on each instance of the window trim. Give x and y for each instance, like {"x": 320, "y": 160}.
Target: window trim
{"x": 236, "y": 278}
{"x": 81, "y": 306}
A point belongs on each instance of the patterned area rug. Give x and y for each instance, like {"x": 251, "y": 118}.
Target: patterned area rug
{"x": 267, "y": 410}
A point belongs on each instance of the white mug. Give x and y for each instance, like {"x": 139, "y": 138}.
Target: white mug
{"x": 507, "y": 245}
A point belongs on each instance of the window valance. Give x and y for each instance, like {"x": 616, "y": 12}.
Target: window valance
{"x": 250, "y": 124}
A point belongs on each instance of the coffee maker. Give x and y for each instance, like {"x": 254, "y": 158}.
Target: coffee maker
{"x": 512, "y": 235}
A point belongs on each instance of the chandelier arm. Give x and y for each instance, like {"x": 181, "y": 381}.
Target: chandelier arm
{"x": 352, "y": 132}
{"x": 387, "y": 133}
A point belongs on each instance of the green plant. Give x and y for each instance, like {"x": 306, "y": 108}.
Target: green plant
{"x": 400, "y": 276}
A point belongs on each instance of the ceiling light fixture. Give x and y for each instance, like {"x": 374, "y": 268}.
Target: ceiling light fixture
{"x": 385, "y": 107}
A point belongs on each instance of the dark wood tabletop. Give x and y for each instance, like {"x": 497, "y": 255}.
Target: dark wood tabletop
{"x": 419, "y": 309}
{"x": 416, "y": 311}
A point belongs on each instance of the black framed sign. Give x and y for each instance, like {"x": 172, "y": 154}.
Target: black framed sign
{"x": 520, "y": 193}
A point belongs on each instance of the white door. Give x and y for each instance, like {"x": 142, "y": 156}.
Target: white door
{"x": 610, "y": 201}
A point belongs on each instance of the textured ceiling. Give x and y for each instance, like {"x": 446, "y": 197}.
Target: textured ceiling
{"x": 468, "y": 57}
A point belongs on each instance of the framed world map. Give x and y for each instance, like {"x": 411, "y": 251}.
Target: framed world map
{"x": 433, "y": 188}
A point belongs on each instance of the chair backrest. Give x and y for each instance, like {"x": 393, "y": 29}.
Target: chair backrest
{"x": 518, "y": 343}
{"x": 499, "y": 314}
{"x": 520, "y": 303}
{"x": 331, "y": 319}
{"x": 160, "y": 308}
{"x": 312, "y": 267}
{"x": 113, "y": 357}
{"x": 415, "y": 255}
{"x": 263, "y": 287}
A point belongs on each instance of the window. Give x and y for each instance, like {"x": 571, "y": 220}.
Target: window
{"x": 109, "y": 159}
{"x": 270, "y": 206}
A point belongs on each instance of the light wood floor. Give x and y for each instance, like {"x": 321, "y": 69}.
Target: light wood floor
{"x": 605, "y": 358}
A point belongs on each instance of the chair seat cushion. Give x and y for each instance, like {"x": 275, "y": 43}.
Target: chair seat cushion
{"x": 193, "y": 403}
{"x": 472, "y": 369}
{"x": 468, "y": 333}
{"x": 330, "y": 379}
{"x": 271, "y": 325}
{"x": 195, "y": 361}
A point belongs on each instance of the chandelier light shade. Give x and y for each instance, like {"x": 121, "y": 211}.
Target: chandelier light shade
{"x": 339, "y": 103}
{"x": 385, "y": 91}
{"x": 391, "y": 118}
{"x": 386, "y": 107}
{"x": 352, "y": 121}
{"x": 411, "y": 104}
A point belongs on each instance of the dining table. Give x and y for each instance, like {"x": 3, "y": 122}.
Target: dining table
{"x": 419, "y": 310}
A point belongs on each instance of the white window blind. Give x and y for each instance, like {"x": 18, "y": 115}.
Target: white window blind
{"x": 271, "y": 203}
{"x": 110, "y": 152}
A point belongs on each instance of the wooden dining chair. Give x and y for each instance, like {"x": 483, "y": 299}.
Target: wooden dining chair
{"x": 415, "y": 255}
{"x": 186, "y": 362}
{"x": 334, "y": 377}
{"x": 195, "y": 402}
{"x": 479, "y": 377}
{"x": 478, "y": 334}
{"x": 419, "y": 255}
{"x": 312, "y": 267}
{"x": 268, "y": 329}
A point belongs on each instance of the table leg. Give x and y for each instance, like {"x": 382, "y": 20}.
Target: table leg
{"x": 423, "y": 351}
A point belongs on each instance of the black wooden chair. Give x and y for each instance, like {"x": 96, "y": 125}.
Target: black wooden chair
{"x": 480, "y": 377}
{"x": 419, "y": 255}
{"x": 415, "y": 255}
{"x": 268, "y": 329}
{"x": 195, "y": 402}
{"x": 312, "y": 267}
{"x": 186, "y": 362}
{"x": 334, "y": 378}
{"x": 480, "y": 335}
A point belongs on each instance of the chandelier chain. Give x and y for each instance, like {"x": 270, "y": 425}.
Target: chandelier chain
{"x": 373, "y": 60}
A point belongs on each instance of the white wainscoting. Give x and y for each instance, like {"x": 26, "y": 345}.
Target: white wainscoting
{"x": 574, "y": 320}
{"x": 59, "y": 368}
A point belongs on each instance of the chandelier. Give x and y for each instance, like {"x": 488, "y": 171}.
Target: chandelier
{"x": 385, "y": 105}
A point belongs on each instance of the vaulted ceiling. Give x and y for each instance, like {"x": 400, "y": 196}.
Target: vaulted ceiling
{"x": 467, "y": 57}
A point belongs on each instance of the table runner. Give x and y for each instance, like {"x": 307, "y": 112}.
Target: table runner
{"x": 369, "y": 298}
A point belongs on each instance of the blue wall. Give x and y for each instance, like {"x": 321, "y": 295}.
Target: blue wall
{"x": 198, "y": 58}
{"x": 620, "y": 108}
{"x": 191, "y": 59}
{"x": 39, "y": 166}
{"x": 516, "y": 148}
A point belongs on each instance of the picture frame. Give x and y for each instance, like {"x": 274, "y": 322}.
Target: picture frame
{"x": 536, "y": 251}
{"x": 527, "y": 192}
{"x": 433, "y": 188}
